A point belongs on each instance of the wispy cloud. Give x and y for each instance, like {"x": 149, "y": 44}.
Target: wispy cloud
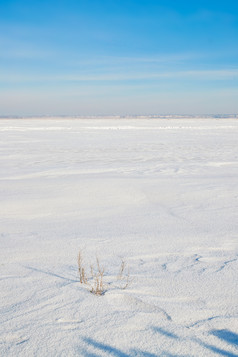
{"x": 220, "y": 74}
{"x": 156, "y": 58}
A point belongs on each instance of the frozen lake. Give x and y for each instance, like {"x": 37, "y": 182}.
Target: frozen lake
{"x": 161, "y": 194}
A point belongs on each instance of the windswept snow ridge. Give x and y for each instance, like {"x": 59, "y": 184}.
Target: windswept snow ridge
{"x": 161, "y": 194}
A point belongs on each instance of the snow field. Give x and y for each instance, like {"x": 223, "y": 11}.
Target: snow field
{"x": 161, "y": 194}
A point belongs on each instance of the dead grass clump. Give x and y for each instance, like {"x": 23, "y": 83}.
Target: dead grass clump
{"x": 96, "y": 281}
{"x": 124, "y": 277}
{"x": 127, "y": 281}
{"x": 82, "y": 274}
{"x": 121, "y": 271}
{"x": 98, "y": 287}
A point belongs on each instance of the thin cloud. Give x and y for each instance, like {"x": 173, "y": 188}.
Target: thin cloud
{"x": 223, "y": 74}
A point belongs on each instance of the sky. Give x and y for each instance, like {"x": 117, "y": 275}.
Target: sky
{"x": 118, "y": 57}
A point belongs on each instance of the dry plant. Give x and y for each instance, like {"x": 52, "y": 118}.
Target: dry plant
{"x": 127, "y": 280}
{"x": 122, "y": 277}
{"x": 97, "y": 276}
{"x": 81, "y": 269}
{"x": 121, "y": 271}
{"x": 98, "y": 286}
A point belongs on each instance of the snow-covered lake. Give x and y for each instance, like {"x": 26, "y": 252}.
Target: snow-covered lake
{"x": 160, "y": 194}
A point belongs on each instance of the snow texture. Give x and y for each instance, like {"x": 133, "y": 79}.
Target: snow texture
{"x": 162, "y": 194}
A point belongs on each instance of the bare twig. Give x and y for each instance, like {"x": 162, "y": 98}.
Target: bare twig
{"x": 121, "y": 271}
{"x": 81, "y": 269}
{"x": 128, "y": 281}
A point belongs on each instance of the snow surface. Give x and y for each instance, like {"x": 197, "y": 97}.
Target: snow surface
{"x": 162, "y": 194}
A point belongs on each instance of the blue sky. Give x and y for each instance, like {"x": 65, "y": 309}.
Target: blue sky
{"x": 88, "y": 57}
